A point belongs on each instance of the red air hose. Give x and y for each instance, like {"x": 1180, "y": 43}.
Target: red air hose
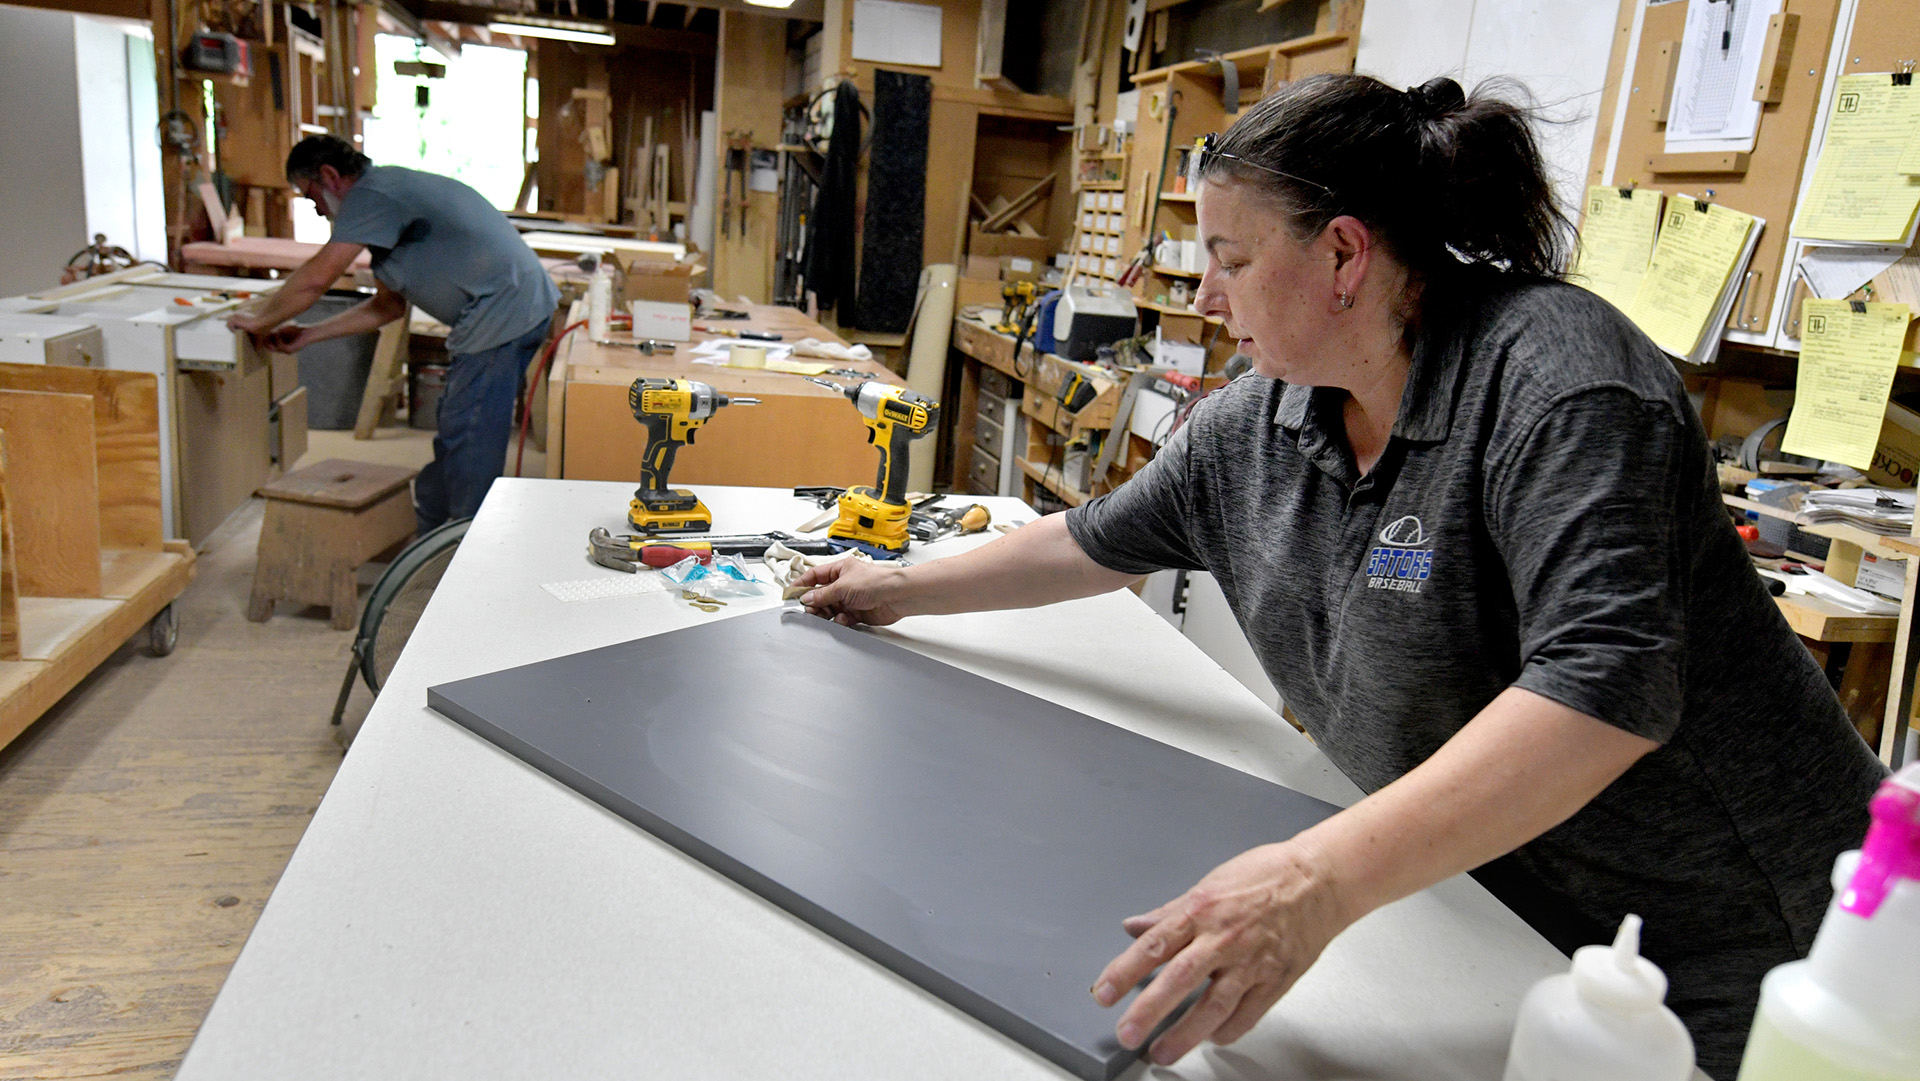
{"x": 533, "y": 385}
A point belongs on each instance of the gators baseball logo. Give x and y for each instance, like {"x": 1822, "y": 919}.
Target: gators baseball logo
{"x": 1403, "y": 560}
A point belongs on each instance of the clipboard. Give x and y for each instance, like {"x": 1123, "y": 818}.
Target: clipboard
{"x": 1763, "y": 182}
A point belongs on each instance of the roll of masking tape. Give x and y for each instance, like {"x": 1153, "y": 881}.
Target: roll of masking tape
{"x": 747, "y": 356}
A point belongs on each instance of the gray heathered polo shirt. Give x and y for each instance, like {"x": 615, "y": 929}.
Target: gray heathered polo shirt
{"x": 1545, "y": 515}
{"x": 448, "y": 250}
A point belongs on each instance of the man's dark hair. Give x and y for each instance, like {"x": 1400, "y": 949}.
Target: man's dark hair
{"x": 310, "y": 153}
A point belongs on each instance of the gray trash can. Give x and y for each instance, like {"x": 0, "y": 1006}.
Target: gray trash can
{"x": 335, "y": 372}
{"x": 426, "y": 384}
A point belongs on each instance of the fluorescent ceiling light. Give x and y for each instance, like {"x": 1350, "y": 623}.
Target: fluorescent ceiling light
{"x": 557, "y": 29}
{"x": 771, "y": 3}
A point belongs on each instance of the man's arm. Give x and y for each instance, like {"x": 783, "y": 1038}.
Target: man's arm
{"x": 304, "y": 286}
{"x": 1523, "y": 765}
{"x": 371, "y": 314}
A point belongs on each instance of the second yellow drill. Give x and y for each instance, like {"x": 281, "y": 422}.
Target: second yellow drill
{"x": 895, "y": 416}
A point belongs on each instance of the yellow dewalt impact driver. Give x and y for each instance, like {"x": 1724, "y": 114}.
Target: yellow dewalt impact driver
{"x": 895, "y": 416}
{"x": 672, "y": 410}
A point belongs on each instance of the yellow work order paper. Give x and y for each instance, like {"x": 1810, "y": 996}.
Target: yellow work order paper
{"x": 1847, "y": 360}
{"x": 1698, "y": 247}
{"x": 1616, "y": 241}
{"x": 1858, "y": 192}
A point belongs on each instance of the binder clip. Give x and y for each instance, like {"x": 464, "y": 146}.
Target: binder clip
{"x": 1627, "y": 192}
{"x": 1859, "y": 306}
{"x": 1904, "y": 77}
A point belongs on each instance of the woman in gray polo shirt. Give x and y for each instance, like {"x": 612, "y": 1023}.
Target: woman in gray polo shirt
{"x": 1469, "y": 521}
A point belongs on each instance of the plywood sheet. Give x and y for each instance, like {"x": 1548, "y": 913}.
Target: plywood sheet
{"x": 50, "y": 625}
{"x": 983, "y": 843}
{"x": 126, "y": 430}
{"x": 53, "y": 487}
{"x": 224, "y": 444}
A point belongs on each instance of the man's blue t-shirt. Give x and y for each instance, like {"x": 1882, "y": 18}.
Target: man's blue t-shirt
{"x": 448, "y": 250}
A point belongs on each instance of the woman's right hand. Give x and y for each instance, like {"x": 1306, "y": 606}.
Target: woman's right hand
{"x": 854, "y": 591}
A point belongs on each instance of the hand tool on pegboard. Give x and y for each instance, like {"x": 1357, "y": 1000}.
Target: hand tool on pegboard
{"x": 739, "y": 154}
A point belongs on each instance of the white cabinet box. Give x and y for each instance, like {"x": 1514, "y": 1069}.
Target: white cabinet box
{"x": 216, "y": 447}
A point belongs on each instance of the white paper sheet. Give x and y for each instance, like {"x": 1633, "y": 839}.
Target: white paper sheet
{"x": 1713, "y": 107}
{"x": 721, "y": 349}
{"x": 1833, "y": 272}
{"x": 891, "y": 32}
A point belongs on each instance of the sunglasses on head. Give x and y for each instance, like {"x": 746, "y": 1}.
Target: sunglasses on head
{"x": 1210, "y": 150}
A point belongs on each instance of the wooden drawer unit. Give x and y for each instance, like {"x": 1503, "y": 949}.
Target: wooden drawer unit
{"x": 983, "y": 477}
{"x": 988, "y": 431}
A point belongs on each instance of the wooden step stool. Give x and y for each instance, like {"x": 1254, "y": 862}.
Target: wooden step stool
{"x": 322, "y": 523}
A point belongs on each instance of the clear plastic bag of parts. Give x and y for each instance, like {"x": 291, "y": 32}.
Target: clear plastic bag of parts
{"x": 726, "y": 576}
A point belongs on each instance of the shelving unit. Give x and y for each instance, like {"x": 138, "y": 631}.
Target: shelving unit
{"x": 1099, "y": 233}
{"x": 1189, "y": 95}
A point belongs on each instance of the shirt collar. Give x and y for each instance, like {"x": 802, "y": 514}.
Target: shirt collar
{"x": 1426, "y": 406}
{"x": 1292, "y": 414}
{"x": 1433, "y": 386}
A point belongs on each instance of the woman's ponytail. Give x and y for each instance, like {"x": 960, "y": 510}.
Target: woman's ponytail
{"x": 1492, "y": 202}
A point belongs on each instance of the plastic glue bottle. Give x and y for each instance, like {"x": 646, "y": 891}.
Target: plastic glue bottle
{"x": 1603, "y": 1021}
{"x": 599, "y": 302}
{"x": 1851, "y": 1010}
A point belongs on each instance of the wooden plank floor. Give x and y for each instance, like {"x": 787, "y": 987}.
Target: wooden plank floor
{"x": 145, "y": 819}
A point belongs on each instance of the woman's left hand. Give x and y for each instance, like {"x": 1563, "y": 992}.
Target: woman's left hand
{"x": 1252, "y": 926}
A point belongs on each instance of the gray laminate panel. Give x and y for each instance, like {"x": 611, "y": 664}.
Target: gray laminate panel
{"x": 979, "y": 841}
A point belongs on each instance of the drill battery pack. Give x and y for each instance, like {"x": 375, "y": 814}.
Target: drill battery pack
{"x": 675, "y": 510}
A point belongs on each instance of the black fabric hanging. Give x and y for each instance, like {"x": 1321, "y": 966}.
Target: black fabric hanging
{"x": 830, "y": 233}
{"x": 890, "y": 246}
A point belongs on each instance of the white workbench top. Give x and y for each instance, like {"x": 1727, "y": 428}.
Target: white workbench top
{"x": 453, "y": 913}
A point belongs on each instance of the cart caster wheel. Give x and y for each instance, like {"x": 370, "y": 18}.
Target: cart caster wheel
{"x": 163, "y": 632}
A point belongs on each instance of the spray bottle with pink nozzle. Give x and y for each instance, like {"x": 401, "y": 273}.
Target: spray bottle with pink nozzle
{"x": 1851, "y": 1010}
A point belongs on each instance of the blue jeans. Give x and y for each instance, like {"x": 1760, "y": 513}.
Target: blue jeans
{"x": 476, "y": 423}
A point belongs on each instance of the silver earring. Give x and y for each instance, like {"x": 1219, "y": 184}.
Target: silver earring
{"x": 1346, "y": 300}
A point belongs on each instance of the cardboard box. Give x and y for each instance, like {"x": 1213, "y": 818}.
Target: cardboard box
{"x": 661, "y": 281}
{"x": 994, "y": 245}
{"x": 984, "y": 267}
{"x": 664, "y": 320}
{"x": 971, "y": 291}
{"x": 1019, "y": 268}
{"x": 1183, "y": 327}
{"x": 1877, "y": 574}
{"x": 1896, "y": 461}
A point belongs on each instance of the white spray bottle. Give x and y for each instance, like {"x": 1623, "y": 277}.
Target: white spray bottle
{"x": 1851, "y": 1010}
{"x": 1602, "y": 1021}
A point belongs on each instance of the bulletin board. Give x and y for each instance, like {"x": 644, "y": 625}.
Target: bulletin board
{"x": 1885, "y": 34}
{"x": 1764, "y": 182}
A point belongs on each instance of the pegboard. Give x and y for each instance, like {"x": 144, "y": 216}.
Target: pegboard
{"x": 1764, "y": 182}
